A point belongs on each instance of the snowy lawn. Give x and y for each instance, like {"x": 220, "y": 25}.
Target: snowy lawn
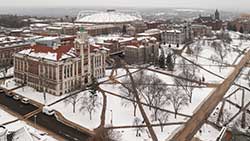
{"x": 10, "y": 72}
{"x": 9, "y": 84}
{"x": 32, "y": 94}
{"x": 5, "y": 117}
{"x": 81, "y": 117}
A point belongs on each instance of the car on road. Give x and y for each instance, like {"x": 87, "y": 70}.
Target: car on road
{"x": 48, "y": 111}
{"x": 8, "y": 94}
{"x": 16, "y": 97}
{"x": 25, "y": 101}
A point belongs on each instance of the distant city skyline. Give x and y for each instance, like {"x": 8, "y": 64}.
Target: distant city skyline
{"x": 239, "y": 5}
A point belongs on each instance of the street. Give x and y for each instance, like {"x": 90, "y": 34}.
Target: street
{"x": 48, "y": 122}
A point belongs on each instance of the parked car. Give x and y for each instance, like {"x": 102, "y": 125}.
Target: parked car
{"x": 16, "y": 97}
{"x": 9, "y": 94}
{"x": 25, "y": 100}
{"x": 48, "y": 111}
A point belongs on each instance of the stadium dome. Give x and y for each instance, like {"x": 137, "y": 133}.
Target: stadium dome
{"x": 109, "y": 17}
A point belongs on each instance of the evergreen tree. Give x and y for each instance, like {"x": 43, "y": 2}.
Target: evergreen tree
{"x": 234, "y": 28}
{"x": 231, "y": 27}
{"x": 124, "y": 29}
{"x": 94, "y": 85}
{"x": 241, "y": 30}
{"x": 162, "y": 60}
{"x": 169, "y": 62}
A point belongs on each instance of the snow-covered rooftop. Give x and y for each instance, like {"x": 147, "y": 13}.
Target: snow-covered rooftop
{"x": 108, "y": 17}
{"x": 39, "y": 51}
{"x": 173, "y": 31}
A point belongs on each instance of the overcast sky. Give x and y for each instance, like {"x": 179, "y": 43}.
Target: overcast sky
{"x": 238, "y": 5}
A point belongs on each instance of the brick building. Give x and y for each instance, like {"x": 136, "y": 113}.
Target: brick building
{"x": 10, "y": 45}
{"x": 142, "y": 50}
{"x": 60, "y": 69}
{"x": 213, "y": 21}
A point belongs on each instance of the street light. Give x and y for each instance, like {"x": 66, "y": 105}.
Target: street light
{"x": 111, "y": 113}
{"x": 35, "y": 119}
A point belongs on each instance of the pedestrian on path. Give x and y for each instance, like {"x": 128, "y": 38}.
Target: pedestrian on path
{"x": 203, "y": 79}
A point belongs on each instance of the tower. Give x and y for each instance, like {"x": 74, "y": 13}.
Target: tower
{"x": 83, "y": 51}
{"x": 217, "y": 15}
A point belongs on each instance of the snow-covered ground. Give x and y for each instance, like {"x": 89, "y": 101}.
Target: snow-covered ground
{"x": 80, "y": 117}
{"x": 118, "y": 114}
{"x": 33, "y": 94}
{"x": 10, "y": 72}
{"x": 9, "y": 84}
{"x": 123, "y": 115}
{"x": 6, "y": 117}
{"x": 207, "y": 133}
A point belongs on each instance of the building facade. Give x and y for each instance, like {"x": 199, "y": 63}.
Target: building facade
{"x": 143, "y": 50}
{"x": 201, "y": 30}
{"x": 10, "y": 45}
{"x": 59, "y": 70}
{"x": 173, "y": 37}
{"x": 213, "y": 21}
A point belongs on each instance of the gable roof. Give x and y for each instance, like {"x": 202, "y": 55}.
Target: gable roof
{"x": 50, "y": 53}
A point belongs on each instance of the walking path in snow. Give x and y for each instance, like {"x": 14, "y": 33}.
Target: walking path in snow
{"x": 187, "y": 132}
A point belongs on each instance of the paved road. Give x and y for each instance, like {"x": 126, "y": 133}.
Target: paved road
{"x": 48, "y": 122}
{"x": 198, "y": 119}
{"x": 51, "y": 123}
{"x": 15, "y": 105}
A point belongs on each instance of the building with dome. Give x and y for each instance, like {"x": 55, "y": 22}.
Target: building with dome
{"x": 110, "y": 21}
{"x": 108, "y": 17}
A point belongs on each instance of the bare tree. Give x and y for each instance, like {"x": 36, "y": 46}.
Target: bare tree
{"x": 160, "y": 100}
{"x": 126, "y": 88}
{"x": 103, "y": 134}
{"x": 178, "y": 99}
{"x": 90, "y": 103}
{"x": 197, "y": 49}
{"x": 156, "y": 94}
{"x": 220, "y": 55}
{"x": 4, "y": 72}
{"x": 126, "y": 91}
{"x": 148, "y": 90}
{"x": 73, "y": 100}
{"x": 163, "y": 118}
{"x": 188, "y": 72}
{"x": 224, "y": 118}
{"x": 4, "y": 66}
{"x": 224, "y": 37}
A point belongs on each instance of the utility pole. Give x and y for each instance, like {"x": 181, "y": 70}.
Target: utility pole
{"x": 243, "y": 118}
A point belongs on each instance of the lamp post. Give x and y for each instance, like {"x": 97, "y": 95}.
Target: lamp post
{"x": 35, "y": 119}
{"x": 111, "y": 120}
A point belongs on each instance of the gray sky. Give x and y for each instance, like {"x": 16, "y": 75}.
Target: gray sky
{"x": 238, "y": 5}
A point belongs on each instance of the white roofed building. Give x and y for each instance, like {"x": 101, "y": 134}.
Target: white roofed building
{"x": 108, "y": 17}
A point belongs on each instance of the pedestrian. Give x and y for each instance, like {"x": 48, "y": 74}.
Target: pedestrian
{"x": 203, "y": 79}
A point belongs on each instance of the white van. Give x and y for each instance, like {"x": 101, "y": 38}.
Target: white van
{"x": 48, "y": 111}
